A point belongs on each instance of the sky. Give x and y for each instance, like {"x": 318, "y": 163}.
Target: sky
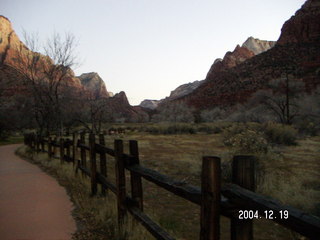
{"x": 147, "y": 48}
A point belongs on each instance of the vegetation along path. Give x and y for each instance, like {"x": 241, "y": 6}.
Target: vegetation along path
{"x": 32, "y": 204}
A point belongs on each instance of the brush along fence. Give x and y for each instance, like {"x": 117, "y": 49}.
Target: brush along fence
{"x": 237, "y": 201}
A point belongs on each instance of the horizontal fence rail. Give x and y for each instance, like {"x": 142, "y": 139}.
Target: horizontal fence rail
{"x": 213, "y": 199}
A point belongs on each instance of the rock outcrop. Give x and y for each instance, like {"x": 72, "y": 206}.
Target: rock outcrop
{"x": 184, "y": 89}
{"x": 304, "y": 26}
{"x": 122, "y": 111}
{"x": 93, "y": 82}
{"x": 258, "y": 46}
{"x": 149, "y": 104}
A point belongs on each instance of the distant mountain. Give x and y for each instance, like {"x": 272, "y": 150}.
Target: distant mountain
{"x": 150, "y": 104}
{"x": 251, "y": 47}
{"x": 95, "y": 83}
{"x": 240, "y": 73}
{"x": 122, "y": 111}
{"x": 180, "y": 91}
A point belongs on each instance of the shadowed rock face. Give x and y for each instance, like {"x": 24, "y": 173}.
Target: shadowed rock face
{"x": 241, "y": 73}
{"x": 122, "y": 111}
{"x": 304, "y": 26}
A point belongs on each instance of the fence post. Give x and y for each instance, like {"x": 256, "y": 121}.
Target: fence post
{"x": 103, "y": 163}
{"x": 120, "y": 182}
{"x": 49, "y": 147}
{"x": 83, "y": 151}
{"x": 74, "y": 147}
{"x": 136, "y": 184}
{"x": 210, "y": 198}
{"x": 61, "y": 150}
{"x": 243, "y": 168}
{"x": 93, "y": 164}
{"x": 33, "y": 142}
{"x": 42, "y": 144}
{"x": 68, "y": 149}
{"x": 54, "y": 147}
{"x": 37, "y": 143}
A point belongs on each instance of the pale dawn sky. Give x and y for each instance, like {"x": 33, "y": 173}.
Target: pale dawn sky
{"x": 147, "y": 48}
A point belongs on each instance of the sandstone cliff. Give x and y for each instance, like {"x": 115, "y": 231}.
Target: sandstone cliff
{"x": 94, "y": 83}
{"x": 258, "y": 46}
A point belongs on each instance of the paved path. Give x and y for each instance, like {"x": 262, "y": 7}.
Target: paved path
{"x": 33, "y": 206}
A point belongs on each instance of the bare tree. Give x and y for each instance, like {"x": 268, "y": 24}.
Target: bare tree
{"x": 281, "y": 98}
{"x": 94, "y": 111}
{"x": 45, "y": 76}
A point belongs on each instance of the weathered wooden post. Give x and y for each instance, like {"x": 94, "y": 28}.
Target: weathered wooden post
{"x": 82, "y": 150}
{"x": 243, "y": 169}
{"x": 49, "y": 147}
{"x": 210, "y": 198}
{"x": 42, "y": 144}
{"x": 103, "y": 163}
{"x": 120, "y": 182}
{"x": 33, "y": 141}
{"x": 37, "y": 143}
{"x": 93, "y": 164}
{"x": 55, "y": 146}
{"x": 136, "y": 183}
{"x": 68, "y": 146}
{"x": 74, "y": 147}
{"x": 61, "y": 150}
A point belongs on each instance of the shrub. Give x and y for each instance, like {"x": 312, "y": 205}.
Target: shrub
{"x": 209, "y": 129}
{"x": 177, "y": 128}
{"x": 245, "y": 140}
{"x": 280, "y": 134}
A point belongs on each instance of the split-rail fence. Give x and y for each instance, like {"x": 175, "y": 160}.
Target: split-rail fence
{"x": 213, "y": 199}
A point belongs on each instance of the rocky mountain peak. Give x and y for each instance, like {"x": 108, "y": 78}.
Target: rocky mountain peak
{"x": 149, "y": 103}
{"x": 184, "y": 89}
{"x": 258, "y": 46}
{"x": 121, "y": 98}
{"x": 93, "y": 82}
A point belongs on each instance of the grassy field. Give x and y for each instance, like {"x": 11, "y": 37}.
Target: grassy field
{"x": 12, "y": 140}
{"x": 290, "y": 174}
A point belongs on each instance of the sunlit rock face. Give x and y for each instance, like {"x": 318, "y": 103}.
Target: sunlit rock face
{"x": 94, "y": 83}
{"x": 150, "y": 104}
{"x": 258, "y": 46}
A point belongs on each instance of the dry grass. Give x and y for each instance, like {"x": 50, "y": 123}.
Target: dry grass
{"x": 287, "y": 171}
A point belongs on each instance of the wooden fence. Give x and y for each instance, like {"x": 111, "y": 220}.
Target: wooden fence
{"x": 232, "y": 200}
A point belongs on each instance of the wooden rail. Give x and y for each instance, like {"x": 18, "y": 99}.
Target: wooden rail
{"x": 213, "y": 199}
